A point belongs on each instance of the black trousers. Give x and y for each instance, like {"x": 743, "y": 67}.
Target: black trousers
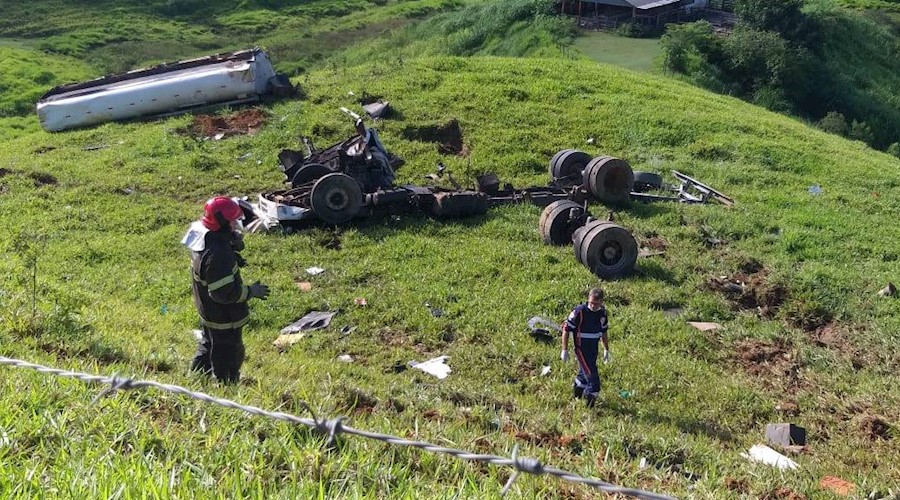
{"x": 588, "y": 378}
{"x": 220, "y": 352}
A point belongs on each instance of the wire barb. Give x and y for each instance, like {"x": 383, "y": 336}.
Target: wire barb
{"x": 335, "y": 427}
{"x": 116, "y": 384}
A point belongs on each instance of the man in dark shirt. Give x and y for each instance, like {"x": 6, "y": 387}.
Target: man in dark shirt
{"x": 219, "y": 293}
{"x": 588, "y": 324}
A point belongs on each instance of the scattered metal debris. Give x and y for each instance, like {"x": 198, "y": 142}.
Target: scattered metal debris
{"x": 704, "y": 326}
{"x": 311, "y": 321}
{"x": 436, "y": 312}
{"x": 786, "y": 434}
{"x": 815, "y": 190}
{"x": 435, "y": 366}
{"x": 889, "y": 291}
{"x": 763, "y": 454}
{"x": 314, "y": 271}
{"x": 377, "y": 109}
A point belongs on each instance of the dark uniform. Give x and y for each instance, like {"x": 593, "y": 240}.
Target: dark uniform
{"x": 588, "y": 327}
{"x": 221, "y": 299}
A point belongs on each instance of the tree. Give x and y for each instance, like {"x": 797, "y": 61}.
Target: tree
{"x": 784, "y": 17}
{"x": 894, "y": 149}
{"x": 687, "y": 43}
{"x": 861, "y": 131}
{"x": 834, "y": 123}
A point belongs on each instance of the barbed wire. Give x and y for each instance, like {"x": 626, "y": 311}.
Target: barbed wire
{"x": 332, "y": 428}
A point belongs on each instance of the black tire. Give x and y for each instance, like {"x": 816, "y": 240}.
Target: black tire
{"x": 647, "y": 181}
{"x": 336, "y": 198}
{"x": 607, "y": 249}
{"x": 566, "y": 167}
{"x": 309, "y": 173}
{"x": 554, "y": 223}
{"x": 610, "y": 180}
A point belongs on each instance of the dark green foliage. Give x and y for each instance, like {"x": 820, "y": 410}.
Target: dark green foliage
{"x": 805, "y": 62}
{"x": 834, "y": 123}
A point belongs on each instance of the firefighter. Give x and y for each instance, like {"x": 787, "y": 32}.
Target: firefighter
{"x": 588, "y": 324}
{"x": 219, "y": 293}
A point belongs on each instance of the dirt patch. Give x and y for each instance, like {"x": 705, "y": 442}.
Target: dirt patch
{"x": 837, "y": 337}
{"x": 875, "y": 428}
{"x": 771, "y": 361}
{"x": 42, "y": 179}
{"x": 783, "y": 493}
{"x": 246, "y": 122}
{"x": 751, "y": 290}
{"x": 656, "y": 243}
{"x": 788, "y": 408}
{"x": 449, "y": 137}
{"x": 553, "y": 438}
{"x": 737, "y": 485}
{"x": 358, "y": 401}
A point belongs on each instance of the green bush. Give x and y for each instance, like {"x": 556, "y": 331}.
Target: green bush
{"x": 834, "y": 123}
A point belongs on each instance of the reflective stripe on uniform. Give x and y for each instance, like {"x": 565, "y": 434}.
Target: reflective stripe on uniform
{"x": 590, "y": 335}
{"x": 244, "y": 293}
{"x": 224, "y": 326}
{"x": 215, "y": 285}
{"x": 203, "y": 282}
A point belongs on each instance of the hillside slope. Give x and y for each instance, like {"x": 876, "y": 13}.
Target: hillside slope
{"x": 99, "y": 228}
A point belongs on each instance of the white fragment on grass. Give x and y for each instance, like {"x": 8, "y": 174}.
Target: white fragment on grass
{"x": 643, "y": 464}
{"x": 545, "y": 370}
{"x": 198, "y": 334}
{"x": 703, "y": 326}
{"x": 312, "y": 271}
{"x": 763, "y": 454}
{"x": 434, "y": 366}
{"x": 345, "y": 358}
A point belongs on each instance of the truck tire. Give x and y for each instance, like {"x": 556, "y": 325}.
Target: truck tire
{"x": 309, "y": 173}
{"x": 610, "y": 180}
{"x": 554, "y": 222}
{"x": 647, "y": 181}
{"x": 336, "y": 198}
{"x": 566, "y": 167}
{"x": 607, "y": 249}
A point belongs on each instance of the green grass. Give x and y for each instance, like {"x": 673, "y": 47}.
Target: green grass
{"x": 638, "y": 54}
{"x": 113, "y": 296}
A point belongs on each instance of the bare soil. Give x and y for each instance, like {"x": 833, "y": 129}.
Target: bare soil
{"x": 448, "y": 137}
{"x": 245, "y": 122}
{"x": 751, "y": 291}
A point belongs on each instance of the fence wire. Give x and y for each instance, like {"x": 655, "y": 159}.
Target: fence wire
{"x": 335, "y": 427}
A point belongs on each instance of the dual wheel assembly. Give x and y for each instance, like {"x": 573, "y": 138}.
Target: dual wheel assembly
{"x": 607, "y": 249}
{"x": 609, "y": 180}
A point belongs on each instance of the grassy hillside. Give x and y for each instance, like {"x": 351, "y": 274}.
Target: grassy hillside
{"x": 99, "y": 229}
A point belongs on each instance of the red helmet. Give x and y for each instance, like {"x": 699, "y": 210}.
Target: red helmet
{"x": 220, "y": 211}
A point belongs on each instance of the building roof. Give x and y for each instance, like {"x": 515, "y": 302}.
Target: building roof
{"x": 638, "y": 4}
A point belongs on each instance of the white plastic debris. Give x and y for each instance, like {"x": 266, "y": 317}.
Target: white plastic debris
{"x": 545, "y": 370}
{"x": 763, "y": 454}
{"x": 434, "y": 366}
{"x": 345, "y": 358}
{"x": 312, "y": 271}
{"x": 198, "y": 334}
{"x": 643, "y": 464}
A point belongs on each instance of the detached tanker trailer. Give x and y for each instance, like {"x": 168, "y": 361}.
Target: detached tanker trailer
{"x": 230, "y": 78}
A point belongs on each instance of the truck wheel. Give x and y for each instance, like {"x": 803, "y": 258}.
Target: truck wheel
{"x": 608, "y": 250}
{"x": 609, "y": 179}
{"x": 646, "y": 181}
{"x": 336, "y": 198}
{"x": 566, "y": 167}
{"x": 309, "y": 173}
{"x": 554, "y": 223}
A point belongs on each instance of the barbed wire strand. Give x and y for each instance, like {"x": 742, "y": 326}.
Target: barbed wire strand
{"x": 334, "y": 427}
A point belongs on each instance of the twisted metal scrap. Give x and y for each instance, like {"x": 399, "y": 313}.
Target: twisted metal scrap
{"x": 334, "y": 427}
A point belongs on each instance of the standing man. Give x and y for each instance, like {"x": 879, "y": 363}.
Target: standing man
{"x": 219, "y": 294}
{"x": 588, "y": 324}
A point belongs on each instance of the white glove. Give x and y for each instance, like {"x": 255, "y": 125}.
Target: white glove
{"x": 564, "y": 355}
{"x": 606, "y": 356}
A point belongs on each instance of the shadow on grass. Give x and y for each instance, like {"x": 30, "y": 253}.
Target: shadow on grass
{"x": 688, "y": 426}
